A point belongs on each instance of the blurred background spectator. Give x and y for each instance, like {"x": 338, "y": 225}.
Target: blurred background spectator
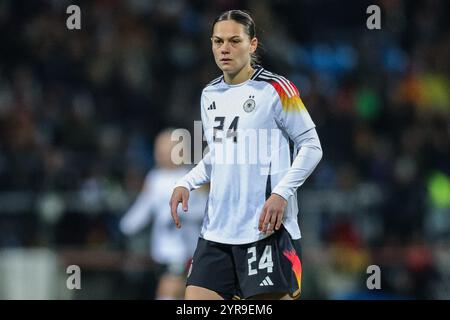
{"x": 171, "y": 248}
{"x": 80, "y": 109}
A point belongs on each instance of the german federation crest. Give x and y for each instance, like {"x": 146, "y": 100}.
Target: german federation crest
{"x": 249, "y": 105}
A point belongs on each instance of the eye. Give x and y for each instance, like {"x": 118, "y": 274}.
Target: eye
{"x": 217, "y": 41}
{"x": 235, "y": 40}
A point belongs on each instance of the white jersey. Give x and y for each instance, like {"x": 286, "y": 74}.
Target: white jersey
{"x": 168, "y": 245}
{"x": 248, "y": 128}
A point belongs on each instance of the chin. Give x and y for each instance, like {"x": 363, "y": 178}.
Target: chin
{"x": 227, "y": 69}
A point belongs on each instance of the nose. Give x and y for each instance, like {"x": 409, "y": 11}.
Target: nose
{"x": 225, "y": 48}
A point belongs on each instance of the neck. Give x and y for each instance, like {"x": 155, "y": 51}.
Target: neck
{"x": 241, "y": 76}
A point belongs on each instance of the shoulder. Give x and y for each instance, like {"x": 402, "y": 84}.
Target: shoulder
{"x": 152, "y": 175}
{"x": 213, "y": 84}
{"x": 150, "y": 178}
{"x": 283, "y": 86}
{"x": 284, "y": 89}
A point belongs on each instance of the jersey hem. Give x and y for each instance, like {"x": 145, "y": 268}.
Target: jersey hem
{"x": 234, "y": 241}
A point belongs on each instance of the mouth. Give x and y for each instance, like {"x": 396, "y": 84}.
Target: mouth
{"x": 225, "y": 60}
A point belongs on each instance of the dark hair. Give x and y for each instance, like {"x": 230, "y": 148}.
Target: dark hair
{"x": 246, "y": 20}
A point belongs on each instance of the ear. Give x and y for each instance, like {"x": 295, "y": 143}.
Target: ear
{"x": 253, "y": 45}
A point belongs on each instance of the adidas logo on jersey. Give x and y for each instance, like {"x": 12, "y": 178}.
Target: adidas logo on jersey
{"x": 212, "y": 106}
{"x": 266, "y": 282}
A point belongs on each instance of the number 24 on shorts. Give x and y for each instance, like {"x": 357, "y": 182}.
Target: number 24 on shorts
{"x": 265, "y": 262}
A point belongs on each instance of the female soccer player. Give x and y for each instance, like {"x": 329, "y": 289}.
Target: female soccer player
{"x": 249, "y": 242}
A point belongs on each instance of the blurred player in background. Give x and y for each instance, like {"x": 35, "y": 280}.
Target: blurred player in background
{"x": 249, "y": 243}
{"x": 168, "y": 247}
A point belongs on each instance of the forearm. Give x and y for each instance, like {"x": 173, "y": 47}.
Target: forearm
{"x": 309, "y": 155}
{"x": 198, "y": 176}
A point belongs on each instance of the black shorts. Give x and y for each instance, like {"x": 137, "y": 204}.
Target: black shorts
{"x": 270, "y": 265}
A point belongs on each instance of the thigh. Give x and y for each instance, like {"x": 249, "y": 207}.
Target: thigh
{"x": 212, "y": 268}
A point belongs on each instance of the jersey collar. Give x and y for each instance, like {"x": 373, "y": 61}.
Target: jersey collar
{"x": 258, "y": 70}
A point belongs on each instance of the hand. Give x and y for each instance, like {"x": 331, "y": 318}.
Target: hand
{"x": 179, "y": 194}
{"x": 272, "y": 213}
